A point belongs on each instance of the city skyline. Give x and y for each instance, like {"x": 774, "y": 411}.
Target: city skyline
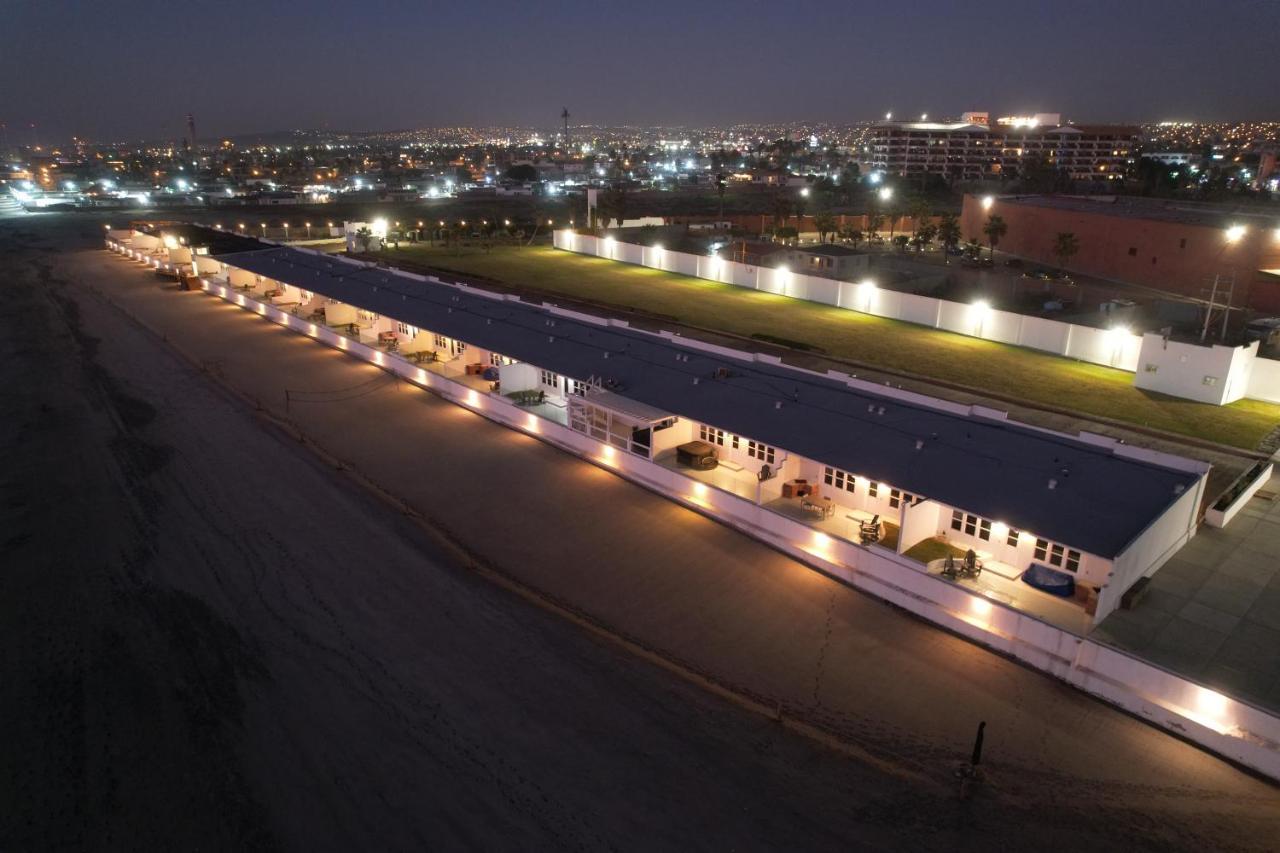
{"x": 265, "y": 68}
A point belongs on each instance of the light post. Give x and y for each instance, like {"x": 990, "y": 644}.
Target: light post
{"x": 264, "y": 230}
{"x": 308, "y": 224}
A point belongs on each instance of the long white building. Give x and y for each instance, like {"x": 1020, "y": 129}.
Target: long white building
{"x": 865, "y": 483}
{"x": 866, "y": 466}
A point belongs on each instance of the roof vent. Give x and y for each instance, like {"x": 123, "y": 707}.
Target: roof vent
{"x": 551, "y": 339}
{"x": 606, "y": 353}
{"x": 696, "y": 380}
{"x": 1179, "y": 489}
{"x": 871, "y": 407}
{"x": 777, "y": 404}
{"x": 919, "y": 444}
{"x": 880, "y": 411}
{"x": 1053, "y": 484}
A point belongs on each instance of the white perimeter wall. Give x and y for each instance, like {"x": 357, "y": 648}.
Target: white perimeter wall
{"x": 1233, "y": 729}
{"x": 1213, "y": 374}
{"x": 1264, "y": 380}
{"x": 1111, "y": 348}
{"x": 1236, "y": 367}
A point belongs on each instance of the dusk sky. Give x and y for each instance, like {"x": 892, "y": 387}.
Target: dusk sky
{"x": 105, "y": 70}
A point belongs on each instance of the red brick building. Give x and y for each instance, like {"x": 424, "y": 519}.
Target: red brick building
{"x": 1177, "y": 247}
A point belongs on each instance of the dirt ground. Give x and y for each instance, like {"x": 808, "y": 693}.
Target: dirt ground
{"x": 211, "y": 640}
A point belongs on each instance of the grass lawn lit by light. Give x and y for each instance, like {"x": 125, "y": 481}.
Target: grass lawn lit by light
{"x": 1037, "y": 378}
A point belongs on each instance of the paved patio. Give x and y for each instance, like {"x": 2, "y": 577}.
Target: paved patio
{"x": 1213, "y": 611}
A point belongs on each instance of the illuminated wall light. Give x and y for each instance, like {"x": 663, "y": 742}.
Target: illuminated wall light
{"x": 422, "y": 377}
{"x": 531, "y": 423}
{"x": 999, "y": 530}
{"x": 609, "y": 456}
{"x": 473, "y": 399}
{"x": 1235, "y": 233}
{"x": 980, "y": 607}
{"x": 866, "y": 290}
{"x": 987, "y": 201}
{"x": 699, "y": 493}
{"x": 377, "y": 358}
{"x": 1212, "y": 704}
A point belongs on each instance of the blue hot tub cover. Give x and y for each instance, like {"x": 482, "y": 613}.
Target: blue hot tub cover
{"x": 1050, "y": 580}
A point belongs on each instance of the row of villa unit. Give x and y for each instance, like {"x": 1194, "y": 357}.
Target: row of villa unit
{"x": 878, "y": 469}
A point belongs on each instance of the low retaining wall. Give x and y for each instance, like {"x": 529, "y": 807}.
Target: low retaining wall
{"x": 1228, "y": 727}
{"x": 1216, "y": 517}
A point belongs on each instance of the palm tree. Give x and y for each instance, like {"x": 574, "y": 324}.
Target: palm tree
{"x": 948, "y": 233}
{"x": 995, "y": 228}
{"x": 824, "y": 223}
{"x": 1065, "y": 245}
{"x": 363, "y": 236}
{"x": 920, "y": 215}
{"x": 925, "y": 234}
{"x": 874, "y": 221}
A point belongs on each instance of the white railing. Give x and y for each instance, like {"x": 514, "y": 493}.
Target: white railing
{"x": 1116, "y": 347}
{"x": 1229, "y": 727}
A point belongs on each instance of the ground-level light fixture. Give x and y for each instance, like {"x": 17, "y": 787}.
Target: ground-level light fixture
{"x": 804, "y": 192}
{"x": 1234, "y": 233}
{"x": 987, "y": 201}
{"x": 886, "y": 193}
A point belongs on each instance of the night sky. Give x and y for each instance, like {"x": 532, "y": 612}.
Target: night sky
{"x": 129, "y": 70}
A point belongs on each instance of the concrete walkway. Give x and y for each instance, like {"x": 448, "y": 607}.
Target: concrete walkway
{"x": 1213, "y": 611}
{"x": 699, "y": 594}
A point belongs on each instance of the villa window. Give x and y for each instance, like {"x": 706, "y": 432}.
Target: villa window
{"x": 971, "y": 525}
{"x": 763, "y": 452}
{"x": 711, "y": 434}
{"x": 1012, "y": 538}
{"x": 498, "y": 360}
{"x": 839, "y": 479}
{"x": 551, "y": 380}
{"x": 578, "y": 388}
{"x": 441, "y": 341}
{"x": 1054, "y": 554}
{"x": 873, "y": 489}
{"x": 897, "y": 498}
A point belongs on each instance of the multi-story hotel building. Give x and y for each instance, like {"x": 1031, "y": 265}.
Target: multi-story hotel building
{"x": 976, "y": 147}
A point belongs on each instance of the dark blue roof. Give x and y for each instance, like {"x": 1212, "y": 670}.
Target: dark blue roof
{"x": 999, "y": 470}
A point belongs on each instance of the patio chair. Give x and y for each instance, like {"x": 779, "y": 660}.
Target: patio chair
{"x": 949, "y": 567}
{"x": 971, "y": 567}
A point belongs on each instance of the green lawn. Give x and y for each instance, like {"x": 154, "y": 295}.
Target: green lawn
{"x": 927, "y": 550}
{"x": 1038, "y": 378}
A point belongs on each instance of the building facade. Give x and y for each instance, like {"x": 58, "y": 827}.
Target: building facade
{"x": 865, "y": 468}
{"x": 1176, "y": 247}
{"x": 969, "y": 151}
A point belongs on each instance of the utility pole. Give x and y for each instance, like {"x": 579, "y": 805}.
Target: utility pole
{"x": 1208, "y": 311}
{"x": 564, "y": 115}
{"x": 1226, "y": 310}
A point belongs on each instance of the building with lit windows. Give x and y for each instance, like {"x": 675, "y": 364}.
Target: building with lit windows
{"x": 976, "y": 148}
